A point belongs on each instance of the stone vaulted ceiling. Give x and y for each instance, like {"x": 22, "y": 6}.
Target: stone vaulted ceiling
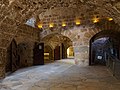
{"x": 16, "y": 12}
{"x": 54, "y": 40}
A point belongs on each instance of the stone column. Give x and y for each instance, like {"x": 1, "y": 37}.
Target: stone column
{"x": 60, "y": 51}
{"x": 82, "y": 55}
{"x": 65, "y": 52}
{"x": 51, "y": 53}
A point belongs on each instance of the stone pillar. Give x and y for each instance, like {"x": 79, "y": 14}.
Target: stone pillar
{"x": 65, "y": 52}
{"x": 60, "y": 51}
{"x": 51, "y": 55}
{"x": 82, "y": 55}
{"x": 3, "y": 53}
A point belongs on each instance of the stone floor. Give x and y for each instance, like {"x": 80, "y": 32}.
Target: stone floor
{"x": 61, "y": 75}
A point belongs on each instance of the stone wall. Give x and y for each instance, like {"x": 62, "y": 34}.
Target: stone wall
{"x": 80, "y": 36}
{"x": 25, "y": 39}
{"x": 16, "y": 12}
{"x": 6, "y": 35}
{"x": 2, "y": 62}
{"x": 25, "y": 35}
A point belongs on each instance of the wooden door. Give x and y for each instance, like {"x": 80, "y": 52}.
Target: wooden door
{"x": 57, "y": 53}
{"x": 14, "y": 56}
{"x": 38, "y": 51}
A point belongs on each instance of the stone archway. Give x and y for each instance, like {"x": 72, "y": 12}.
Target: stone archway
{"x": 58, "y": 44}
{"x": 80, "y": 36}
{"x": 12, "y": 62}
{"x": 108, "y": 40}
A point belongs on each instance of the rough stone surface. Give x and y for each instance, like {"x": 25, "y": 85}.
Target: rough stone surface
{"x": 24, "y": 35}
{"x": 61, "y": 75}
{"x": 14, "y": 13}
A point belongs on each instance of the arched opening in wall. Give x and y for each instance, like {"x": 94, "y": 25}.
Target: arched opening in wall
{"x": 104, "y": 44}
{"x": 59, "y": 45}
{"x": 70, "y": 52}
{"x": 98, "y": 50}
{"x": 48, "y": 54}
{"x": 13, "y": 62}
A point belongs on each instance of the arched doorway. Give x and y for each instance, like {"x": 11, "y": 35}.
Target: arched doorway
{"x": 13, "y": 61}
{"x": 70, "y": 52}
{"x": 59, "y": 44}
{"x": 102, "y": 44}
{"x": 98, "y": 50}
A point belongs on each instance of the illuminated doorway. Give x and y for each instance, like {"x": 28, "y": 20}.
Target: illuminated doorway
{"x": 70, "y": 52}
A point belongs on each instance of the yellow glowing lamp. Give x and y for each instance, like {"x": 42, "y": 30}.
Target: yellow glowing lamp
{"x": 77, "y": 21}
{"x": 110, "y": 19}
{"x": 51, "y": 25}
{"x": 63, "y": 24}
{"x": 40, "y": 25}
{"x": 95, "y": 20}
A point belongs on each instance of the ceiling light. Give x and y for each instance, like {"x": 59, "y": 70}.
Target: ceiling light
{"x": 51, "y": 25}
{"x": 40, "y": 25}
{"x": 110, "y": 19}
{"x": 77, "y": 22}
{"x": 95, "y": 20}
{"x": 63, "y": 24}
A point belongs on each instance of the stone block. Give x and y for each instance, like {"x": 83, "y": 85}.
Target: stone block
{"x": 87, "y": 35}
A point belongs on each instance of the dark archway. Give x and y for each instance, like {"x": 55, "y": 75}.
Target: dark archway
{"x": 104, "y": 46}
{"x": 13, "y": 62}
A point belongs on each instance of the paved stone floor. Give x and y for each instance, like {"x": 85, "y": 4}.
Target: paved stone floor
{"x": 61, "y": 75}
